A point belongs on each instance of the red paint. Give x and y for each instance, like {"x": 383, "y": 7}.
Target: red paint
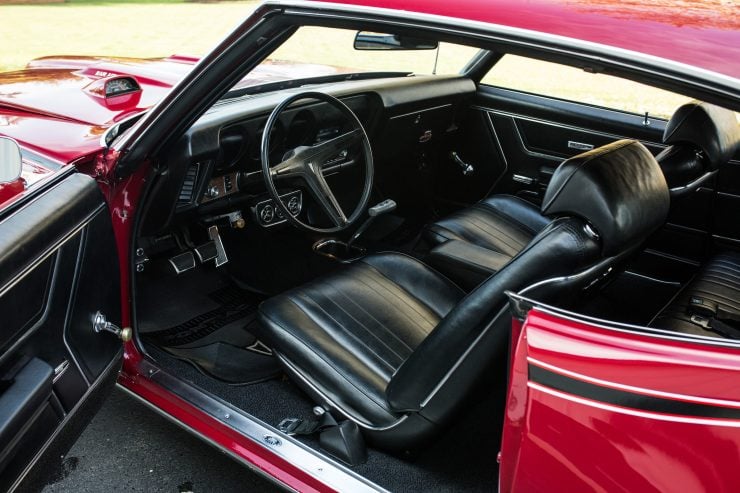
{"x": 11, "y": 190}
{"x": 701, "y": 33}
{"x": 123, "y": 199}
{"x": 554, "y": 441}
{"x": 56, "y": 104}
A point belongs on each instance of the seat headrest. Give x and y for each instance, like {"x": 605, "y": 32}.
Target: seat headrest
{"x": 712, "y": 129}
{"x": 619, "y": 189}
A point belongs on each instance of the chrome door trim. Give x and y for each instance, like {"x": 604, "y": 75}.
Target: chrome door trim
{"x": 312, "y": 462}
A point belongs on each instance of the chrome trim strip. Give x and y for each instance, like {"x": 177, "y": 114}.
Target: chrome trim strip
{"x": 72, "y": 298}
{"x": 654, "y": 279}
{"x": 526, "y": 180}
{"x": 49, "y": 251}
{"x": 526, "y": 149}
{"x": 21, "y": 339}
{"x": 203, "y": 437}
{"x": 500, "y": 148}
{"x": 624, "y": 327}
{"x": 463, "y": 356}
{"x": 632, "y": 388}
{"x": 313, "y": 462}
{"x": 575, "y": 128}
{"x": 53, "y": 250}
{"x": 694, "y": 184}
{"x": 579, "y": 146}
{"x": 421, "y": 111}
{"x": 333, "y": 404}
{"x": 513, "y": 36}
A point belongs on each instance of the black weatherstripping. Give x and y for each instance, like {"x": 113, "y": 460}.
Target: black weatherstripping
{"x": 623, "y": 398}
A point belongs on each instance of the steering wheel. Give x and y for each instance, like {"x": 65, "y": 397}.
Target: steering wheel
{"x": 306, "y": 163}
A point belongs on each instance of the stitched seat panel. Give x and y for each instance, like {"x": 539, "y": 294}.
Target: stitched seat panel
{"x": 717, "y": 281}
{"x": 358, "y": 327}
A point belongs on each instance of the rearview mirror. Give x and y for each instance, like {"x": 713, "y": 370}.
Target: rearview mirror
{"x": 10, "y": 160}
{"x": 366, "y": 40}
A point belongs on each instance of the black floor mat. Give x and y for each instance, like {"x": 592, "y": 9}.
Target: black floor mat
{"x": 219, "y": 342}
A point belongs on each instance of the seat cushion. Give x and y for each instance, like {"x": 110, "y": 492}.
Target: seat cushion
{"x": 474, "y": 243}
{"x": 717, "y": 281}
{"x": 348, "y": 332}
{"x": 502, "y": 223}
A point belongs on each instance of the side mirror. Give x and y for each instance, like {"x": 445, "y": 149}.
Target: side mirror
{"x": 365, "y": 40}
{"x": 10, "y": 160}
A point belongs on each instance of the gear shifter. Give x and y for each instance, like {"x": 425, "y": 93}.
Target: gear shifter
{"x": 384, "y": 207}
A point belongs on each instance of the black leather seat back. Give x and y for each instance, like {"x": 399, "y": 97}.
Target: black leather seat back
{"x": 475, "y": 332}
{"x": 702, "y": 138}
{"x": 606, "y": 202}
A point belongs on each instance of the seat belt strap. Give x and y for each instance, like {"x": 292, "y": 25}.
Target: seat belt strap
{"x": 298, "y": 426}
{"x": 711, "y": 316}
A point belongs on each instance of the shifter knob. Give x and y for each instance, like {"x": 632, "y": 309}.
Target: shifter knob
{"x": 387, "y": 205}
{"x": 382, "y": 208}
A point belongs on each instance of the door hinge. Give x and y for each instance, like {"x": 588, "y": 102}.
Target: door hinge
{"x": 101, "y": 324}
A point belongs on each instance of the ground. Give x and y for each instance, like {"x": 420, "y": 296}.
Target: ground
{"x": 128, "y": 447}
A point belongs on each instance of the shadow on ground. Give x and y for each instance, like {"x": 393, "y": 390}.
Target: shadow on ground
{"x": 128, "y": 447}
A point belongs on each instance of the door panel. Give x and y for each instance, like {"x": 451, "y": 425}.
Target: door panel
{"x": 530, "y": 135}
{"x": 596, "y": 409}
{"x": 58, "y": 267}
{"x": 537, "y": 133}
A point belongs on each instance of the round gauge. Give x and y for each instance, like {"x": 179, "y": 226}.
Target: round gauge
{"x": 267, "y": 214}
{"x": 294, "y": 206}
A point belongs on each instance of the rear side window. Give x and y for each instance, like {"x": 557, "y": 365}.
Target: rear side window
{"x": 573, "y": 84}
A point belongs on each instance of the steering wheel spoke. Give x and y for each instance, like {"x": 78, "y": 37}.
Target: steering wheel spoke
{"x": 320, "y": 190}
{"x": 292, "y": 165}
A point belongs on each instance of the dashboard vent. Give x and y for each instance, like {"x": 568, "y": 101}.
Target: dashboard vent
{"x": 187, "y": 191}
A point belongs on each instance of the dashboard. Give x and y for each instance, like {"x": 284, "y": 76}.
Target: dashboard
{"x": 214, "y": 170}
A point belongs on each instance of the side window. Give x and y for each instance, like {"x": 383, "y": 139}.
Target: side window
{"x": 573, "y": 84}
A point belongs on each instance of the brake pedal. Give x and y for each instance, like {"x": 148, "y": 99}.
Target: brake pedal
{"x": 206, "y": 252}
{"x": 183, "y": 262}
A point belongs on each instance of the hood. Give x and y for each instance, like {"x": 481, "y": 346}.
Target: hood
{"x": 59, "y": 106}
{"x": 73, "y": 88}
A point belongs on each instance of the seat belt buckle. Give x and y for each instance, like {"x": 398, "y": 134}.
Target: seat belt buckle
{"x": 289, "y": 425}
{"x": 297, "y": 426}
{"x": 702, "y": 307}
{"x": 701, "y": 321}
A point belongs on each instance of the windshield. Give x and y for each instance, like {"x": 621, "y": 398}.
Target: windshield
{"x": 320, "y": 52}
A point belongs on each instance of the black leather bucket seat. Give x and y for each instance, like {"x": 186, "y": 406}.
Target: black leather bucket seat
{"x": 396, "y": 347}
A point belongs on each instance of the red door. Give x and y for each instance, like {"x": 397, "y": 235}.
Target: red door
{"x": 593, "y": 408}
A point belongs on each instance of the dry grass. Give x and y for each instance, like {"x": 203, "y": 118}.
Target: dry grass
{"x": 114, "y": 29}
{"x": 159, "y": 29}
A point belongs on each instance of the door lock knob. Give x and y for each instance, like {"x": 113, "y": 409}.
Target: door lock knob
{"x": 101, "y": 324}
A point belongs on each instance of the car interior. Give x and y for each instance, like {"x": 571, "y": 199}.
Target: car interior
{"x": 336, "y": 260}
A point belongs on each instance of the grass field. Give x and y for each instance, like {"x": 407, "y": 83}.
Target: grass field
{"x": 155, "y": 28}
{"x": 140, "y": 29}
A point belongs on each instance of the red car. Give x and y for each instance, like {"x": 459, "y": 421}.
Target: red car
{"x": 396, "y": 245}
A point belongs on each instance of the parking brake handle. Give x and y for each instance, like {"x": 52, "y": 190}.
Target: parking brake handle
{"x": 384, "y": 207}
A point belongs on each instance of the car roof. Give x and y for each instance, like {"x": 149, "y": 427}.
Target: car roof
{"x": 701, "y": 33}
